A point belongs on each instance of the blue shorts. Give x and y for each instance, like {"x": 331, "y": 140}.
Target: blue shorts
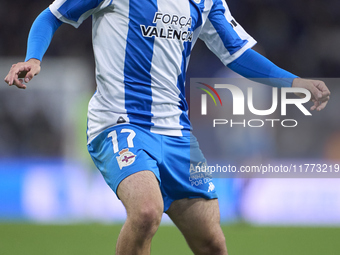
{"x": 125, "y": 149}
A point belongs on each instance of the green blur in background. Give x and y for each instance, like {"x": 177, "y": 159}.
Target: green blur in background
{"x": 100, "y": 239}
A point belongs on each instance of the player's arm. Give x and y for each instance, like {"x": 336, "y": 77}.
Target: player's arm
{"x": 252, "y": 65}
{"x": 231, "y": 43}
{"x": 40, "y": 36}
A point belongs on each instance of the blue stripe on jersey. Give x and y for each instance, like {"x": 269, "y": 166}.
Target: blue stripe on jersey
{"x": 72, "y": 10}
{"x": 230, "y": 38}
{"x": 138, "y": 57}
{"x": 195, "y": 13}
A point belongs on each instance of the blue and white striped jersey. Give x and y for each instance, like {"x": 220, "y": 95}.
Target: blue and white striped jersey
{"x": 142, "y": 49}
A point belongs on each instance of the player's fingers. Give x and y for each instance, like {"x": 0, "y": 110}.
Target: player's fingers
{"x": 325, "y": 95}
{"x": 34, "y": 71}
{"x": 6, "y": 79}
{"x": 15, "y": 73}
{"x": 22, "y": 71}
{"x": 323, "y": 88}
{"x": 324, "y": 99}
{"x": 315, "y": 104}
{"x": 322, "y": 105}
{"x": 316, "y": 93}
{"x": 19, "y": 83}
{"x": 9, "y": 78}
{"x": 29, "y": 76}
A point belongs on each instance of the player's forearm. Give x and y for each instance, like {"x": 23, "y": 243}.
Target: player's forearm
{"x": 41, "y": 33}
{"x": 253, "y": 65}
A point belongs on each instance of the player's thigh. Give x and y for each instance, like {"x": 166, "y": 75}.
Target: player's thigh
{"x": 126, "y": 156}
{"x": 141, "y": 195}
{"x": 199, "y": 221}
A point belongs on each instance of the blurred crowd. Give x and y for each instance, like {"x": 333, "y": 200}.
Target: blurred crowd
{"x": 16, "y": 18}
{"x": 300, "y": 36}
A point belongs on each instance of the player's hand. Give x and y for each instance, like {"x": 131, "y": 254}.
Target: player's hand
{"x": 318, "y": 89}
{"x": 22, "y": 71}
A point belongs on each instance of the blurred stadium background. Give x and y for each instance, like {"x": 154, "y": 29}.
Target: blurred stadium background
{"x": 53, "y": 200}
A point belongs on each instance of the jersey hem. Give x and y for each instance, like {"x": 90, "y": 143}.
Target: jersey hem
{"x": 183, "y": 132}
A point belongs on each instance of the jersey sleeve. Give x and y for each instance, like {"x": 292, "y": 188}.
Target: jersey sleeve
{"x": 223, "y": 35}
{"x": 74, "y": 12}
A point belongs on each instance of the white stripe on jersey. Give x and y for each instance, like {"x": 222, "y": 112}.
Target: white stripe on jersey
{"x": 109, "y": 70}
{"x": 165, "y": 69}
{"x": 142, "y": 49}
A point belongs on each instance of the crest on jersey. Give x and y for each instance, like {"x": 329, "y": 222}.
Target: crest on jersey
{"x": 125, "y": 158}
{"x": 197, "y": 1}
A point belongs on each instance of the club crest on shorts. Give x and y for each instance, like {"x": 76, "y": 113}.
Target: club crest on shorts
{"x": 125, "y": 158}
{"x": 197, "y": 1}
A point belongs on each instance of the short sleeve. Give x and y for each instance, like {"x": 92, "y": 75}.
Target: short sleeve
{"x": 74, "y": 12}
{"x": 223, "y": 35}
